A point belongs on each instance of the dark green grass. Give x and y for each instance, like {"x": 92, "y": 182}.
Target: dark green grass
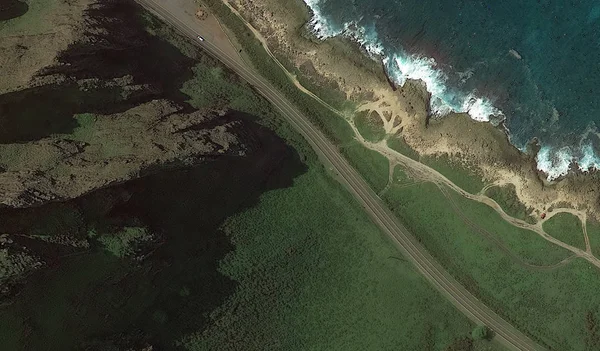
{"x": 315, "y": 273}
{"x": 400, "y": 177}
{"x": 398, "y": 144}
{"x": 593, "y": 231}
{"x": 506, "y": 197}
{"x": 566, "y": 228}
{"x": 370, "y": 127}
{"x": 552, "y": 305}
{"x": 460, "y": 175}
{"x": 473, "y": 221}
{"x": 51, "y": 301}
{"x": 373, "y": 166}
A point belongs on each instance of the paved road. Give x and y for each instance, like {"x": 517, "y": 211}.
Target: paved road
{"x": 330, "y": 155}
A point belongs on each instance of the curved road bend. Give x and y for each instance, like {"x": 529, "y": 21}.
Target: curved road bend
{"x": 381, "y": 215}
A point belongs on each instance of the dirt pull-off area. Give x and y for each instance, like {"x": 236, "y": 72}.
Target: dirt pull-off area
{"x": 404, "y": 111}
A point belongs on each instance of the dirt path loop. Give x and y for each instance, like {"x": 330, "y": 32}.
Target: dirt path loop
{"x": 422, "y": 172}
{"x": 425, "y": 173}
{"x": 497, "y": 242}
{"x": 581, "y": 215}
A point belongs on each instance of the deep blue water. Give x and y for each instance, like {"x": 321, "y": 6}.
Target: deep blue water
{"x": 534, "y": 63}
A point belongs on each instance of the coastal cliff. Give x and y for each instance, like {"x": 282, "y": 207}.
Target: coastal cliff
{"x": 479, "y": 146}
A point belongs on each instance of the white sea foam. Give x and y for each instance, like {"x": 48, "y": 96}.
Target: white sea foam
{"x": 589, "y": 161}
{"x": 318, "y": 23}
{"x": 555, "y": 162}
{"x": 402, "y": 67}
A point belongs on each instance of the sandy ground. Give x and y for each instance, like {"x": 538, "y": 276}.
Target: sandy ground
{"x": 404, "y": 111}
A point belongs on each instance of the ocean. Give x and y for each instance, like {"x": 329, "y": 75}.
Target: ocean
{"x": 533, "y": 64}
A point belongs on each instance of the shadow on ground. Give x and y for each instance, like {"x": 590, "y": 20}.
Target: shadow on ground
{"x": 118, "y": 47}
{"x": 100, "y": 301}
{"x": 10, "y": 9}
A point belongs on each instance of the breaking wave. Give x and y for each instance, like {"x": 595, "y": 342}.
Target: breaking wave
{"x": 554, "y": 161}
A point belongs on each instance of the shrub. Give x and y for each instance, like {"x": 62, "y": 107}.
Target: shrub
{"x": 480, "y": 332}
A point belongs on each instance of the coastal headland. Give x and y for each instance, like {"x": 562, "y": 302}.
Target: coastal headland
{"x": 340, "y": 64}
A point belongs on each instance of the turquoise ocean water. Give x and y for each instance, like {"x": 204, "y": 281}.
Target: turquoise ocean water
{"x": 533, "y": 64}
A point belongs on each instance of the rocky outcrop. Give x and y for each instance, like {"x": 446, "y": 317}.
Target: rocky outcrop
{"x": 111, "y": 149}
{"x": 107, "y": 109}
{"x": 16, "y": 263}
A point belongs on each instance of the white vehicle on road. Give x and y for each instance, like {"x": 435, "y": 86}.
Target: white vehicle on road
{"x": 200, "y": 38}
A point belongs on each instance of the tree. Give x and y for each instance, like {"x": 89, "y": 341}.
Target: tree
{"x": 480, "y": 332}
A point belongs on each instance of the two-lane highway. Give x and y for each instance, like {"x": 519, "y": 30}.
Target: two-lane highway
{"x": 330, "y": 155}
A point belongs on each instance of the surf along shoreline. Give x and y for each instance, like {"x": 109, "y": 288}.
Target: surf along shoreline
{"x": 340, "y": 64}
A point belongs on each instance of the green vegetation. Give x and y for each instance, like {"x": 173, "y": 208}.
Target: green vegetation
{"x": 466, "y": 222}
{"x": 370, "y": 126}
{"x": 593, "y": 232}
{"x": 72, "y": 291}
{"x": 313, "y": 272}
{"x": 400, "y": 177}
{"x": 125, "y": 242}
{"x": 85, "y": 127}
{"x": 566, "y": 228}
{"x": 324, "y": 88}
{"x": 373, "y": 166}
{"x": 526, "y": 244}
{"x": 480, "y": 332}
{"x": 552, "y": 304}
{"x": 459, "y": 174}
{"x": 335, "y": 127}
{"x": 506, "y": 197}
{"x": 297, "y": 264}
{"x": 397, "y": 143}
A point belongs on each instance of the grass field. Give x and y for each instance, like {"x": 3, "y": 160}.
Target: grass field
{"x": 557, "y": 306}
{"x": 398, "y": 144}
{"x": 315, "y": 273}
{"x": 460, "y": 175}
{"x": 373, "y": 166}
{"x": 593, "y": 231}
{"x": 400, "y": 177}
{"x": 370, "y": 126}
{"x": 458, "y": 218}
{"x": 506, "y": 197}
{"x": 566, "y": 228}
